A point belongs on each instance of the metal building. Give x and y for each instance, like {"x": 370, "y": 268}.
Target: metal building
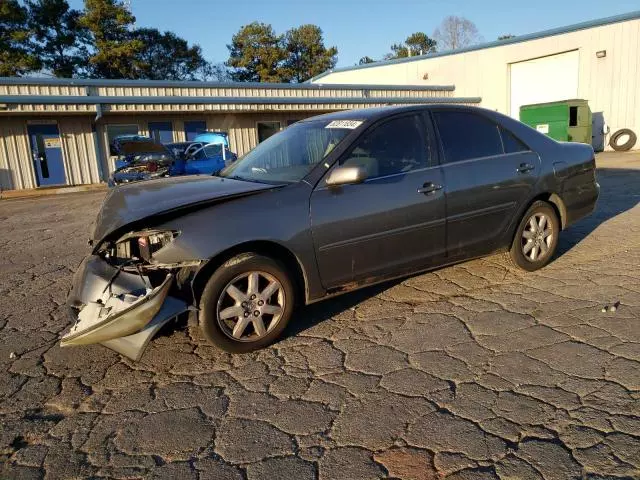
{"x": 598, "y": 61}
{"x": 57, "y": 132}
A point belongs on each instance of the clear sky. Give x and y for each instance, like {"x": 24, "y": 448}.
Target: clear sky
{"x": 361, "y": 27}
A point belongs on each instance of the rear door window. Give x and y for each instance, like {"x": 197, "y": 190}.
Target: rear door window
{"x": 466, "y": 135}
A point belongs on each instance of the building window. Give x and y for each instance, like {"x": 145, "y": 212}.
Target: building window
{"x": 114, "y": 131}
{"x": 194, "y": 127}
{"x": 266, "y": 129}
{"x": 161, "y": 132}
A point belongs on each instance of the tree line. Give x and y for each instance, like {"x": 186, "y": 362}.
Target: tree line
{"x": 101, "y": 41}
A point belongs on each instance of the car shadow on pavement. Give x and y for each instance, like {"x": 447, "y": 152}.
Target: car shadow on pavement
{"x": 312, "y": 315}
{"x": 619, "y": 192}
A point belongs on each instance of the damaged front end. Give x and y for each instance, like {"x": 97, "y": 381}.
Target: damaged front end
{"x": 121, "y": 296}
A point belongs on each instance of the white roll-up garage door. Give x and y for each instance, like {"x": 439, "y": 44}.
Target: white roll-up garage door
{"x": 546, "y": 79}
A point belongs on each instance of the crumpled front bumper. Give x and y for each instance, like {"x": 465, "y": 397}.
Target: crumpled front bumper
{"x": 120, "y": 310}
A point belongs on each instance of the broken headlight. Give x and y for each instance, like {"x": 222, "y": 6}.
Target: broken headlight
{"x": 140, "y": 245}
{"x": 151, "y": 243}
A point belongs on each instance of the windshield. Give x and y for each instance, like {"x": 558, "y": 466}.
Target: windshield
{"x": 288, "y": 156}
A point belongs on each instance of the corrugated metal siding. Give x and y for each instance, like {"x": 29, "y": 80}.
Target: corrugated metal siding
{"x": 386, "y": 93}
{"x": 16, "y": 166}
{"x": 30, "y": 108}
{"x": 213, "y": 107}
{"x": 42, "y": 90}
{"x": 79, "y": 152}
{"x": 261, "y": 92}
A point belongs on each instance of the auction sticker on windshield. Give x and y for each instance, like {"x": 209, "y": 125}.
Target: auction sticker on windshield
{"x": 349, "y": 124}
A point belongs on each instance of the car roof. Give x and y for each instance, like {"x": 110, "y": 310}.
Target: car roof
{"x": 376, "y": 113}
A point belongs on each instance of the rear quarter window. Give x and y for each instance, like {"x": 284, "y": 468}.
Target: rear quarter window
{"x": 511, "y": 143}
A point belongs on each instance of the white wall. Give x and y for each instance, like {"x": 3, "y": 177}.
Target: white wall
{"x": 610, "y": 84}
{"x": 546, "y": 79}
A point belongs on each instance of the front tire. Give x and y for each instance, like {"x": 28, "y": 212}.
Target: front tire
{"x": 536, "y": 238}
{"x": 246, "y": 303}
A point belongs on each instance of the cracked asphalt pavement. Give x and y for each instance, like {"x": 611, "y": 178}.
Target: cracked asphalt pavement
{"x": 474, "y": 371}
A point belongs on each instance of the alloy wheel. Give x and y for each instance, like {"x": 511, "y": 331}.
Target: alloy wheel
{"x": 250, "y": 306}
{"x": 537, "y": 237}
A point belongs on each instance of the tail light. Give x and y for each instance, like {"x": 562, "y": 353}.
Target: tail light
{"x": 152, "y": 167}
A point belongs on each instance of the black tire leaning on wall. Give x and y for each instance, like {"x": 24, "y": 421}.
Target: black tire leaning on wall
{"x": 626, "y": 146}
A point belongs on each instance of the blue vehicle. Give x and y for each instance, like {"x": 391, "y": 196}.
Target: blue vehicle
{"x": 212, "y": 157}
{"x": 142, "y": 158}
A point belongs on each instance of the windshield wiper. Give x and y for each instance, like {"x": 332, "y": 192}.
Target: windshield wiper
{"x": 243, "y": 179}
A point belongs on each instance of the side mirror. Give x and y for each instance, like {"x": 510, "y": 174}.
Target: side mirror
{"x": 348, "y": 175}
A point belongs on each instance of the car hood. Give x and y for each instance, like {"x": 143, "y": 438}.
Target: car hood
{"x": 132, "y": 203}
{"x": 139, "y": 147}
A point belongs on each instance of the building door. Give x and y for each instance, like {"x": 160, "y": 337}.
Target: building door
{"x": 193, "y": 128}
{"x": 46, "y": 150}
{"x": 542, "y": 80}
{"x": 161, "y": 132}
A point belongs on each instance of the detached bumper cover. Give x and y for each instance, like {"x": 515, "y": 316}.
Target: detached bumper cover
{"x": 118, "y": 309}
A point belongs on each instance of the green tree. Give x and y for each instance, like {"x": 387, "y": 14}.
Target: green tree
{"x": 115, "y": 50}
{"x": 417, "y": 43}
{"x": 60, "y": 41}
{"x": 16, "y": 55}
{"x": 364, "y": 60}
{"x": 165, "y": 56}
{"x": 307, "y": 55}
{"x": 256, "y": 54}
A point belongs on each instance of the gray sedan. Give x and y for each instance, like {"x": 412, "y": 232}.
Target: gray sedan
{"x": 331, "y": 204}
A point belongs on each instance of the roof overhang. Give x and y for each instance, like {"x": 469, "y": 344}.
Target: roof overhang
{"x": 190, "y": 84}
{"x": 105, "y": 105}
{"x": 172, "y": 100}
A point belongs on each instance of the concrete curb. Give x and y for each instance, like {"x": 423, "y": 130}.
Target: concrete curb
{"x": 43, "y": 191}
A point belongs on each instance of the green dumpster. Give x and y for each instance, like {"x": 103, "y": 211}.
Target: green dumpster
{"x": 566, "y": 121}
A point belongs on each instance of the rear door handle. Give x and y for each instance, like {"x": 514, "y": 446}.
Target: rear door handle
{"x": 429, "y": 188}
{"x": 525, "y": 167}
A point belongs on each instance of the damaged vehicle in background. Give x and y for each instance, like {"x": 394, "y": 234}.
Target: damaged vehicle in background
{"x": 329, "y": 205}
{"x": 139, "y": 158}
{"x": 142, "y": 158}
{"x": 208, "y": 155}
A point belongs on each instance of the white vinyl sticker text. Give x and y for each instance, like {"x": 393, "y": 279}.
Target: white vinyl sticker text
{"x": 348, "y": 124}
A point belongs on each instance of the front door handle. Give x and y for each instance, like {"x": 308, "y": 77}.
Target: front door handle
{"x": 429, "y": 188}
{"x": 525, "y": 167}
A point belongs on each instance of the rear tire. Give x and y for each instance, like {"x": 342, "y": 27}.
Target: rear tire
{"x": 536, "y": 238}
{"x": 247, "y": 303}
